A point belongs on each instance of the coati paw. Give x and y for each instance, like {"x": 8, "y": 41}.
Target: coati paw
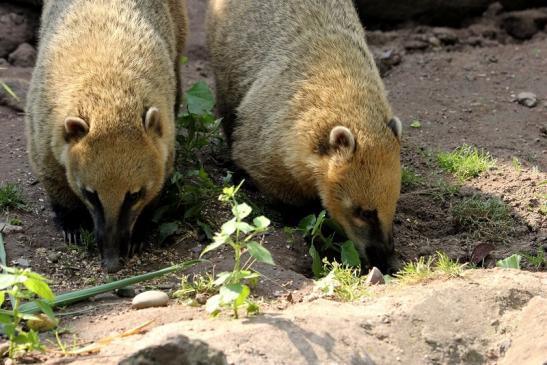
{"x": 72, "y": 237}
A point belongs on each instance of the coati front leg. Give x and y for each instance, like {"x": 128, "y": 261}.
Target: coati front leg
{"x": 71, "y": 215}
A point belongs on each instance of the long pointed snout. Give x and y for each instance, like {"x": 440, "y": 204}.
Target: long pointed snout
{"x": 113, "y": 242}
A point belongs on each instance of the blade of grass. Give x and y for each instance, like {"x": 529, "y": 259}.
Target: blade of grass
{"x": 9, "y": 90}
{"x": 79, "y": 295}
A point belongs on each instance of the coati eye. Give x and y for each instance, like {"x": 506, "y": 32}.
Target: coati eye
{"x": 369, "y": 216}
{"x": 135, "y": 197}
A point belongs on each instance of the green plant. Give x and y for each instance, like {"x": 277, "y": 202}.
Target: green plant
{"x": 511, "y": 262}
{"x": 8, "y": 89}
{"x": 343, "y": 283}
{"x": 238, "y": 234}
{"x": 23, "y": 285}
{"x": 199, "y": 285}
{"x": 466, "y": 162}
{"x": 488, "y": 218}
{"x": 416, "y": 124}
{"x": 11, "y": 197}
{"x": 312, "y": 227}
{"x": 538, "y": 260}
{"x": 445, "y": 191}
{"x": 409, "y": 178}
{"x": 517, "y": 165}
{"x": 15, "y": 221}
{"x": 427, "y": 268}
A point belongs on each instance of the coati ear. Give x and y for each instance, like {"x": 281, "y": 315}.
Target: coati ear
{"x": 396, "y": 127}
{"x": 152, "y": 121}
{"x": 341, "y": 139}
{"x": 75, "y": 129}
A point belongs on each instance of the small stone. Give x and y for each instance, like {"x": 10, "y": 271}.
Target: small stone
{"x": 201, "y": 298}
{"x": 54, "y": 257}
{"x": 4, "y": 347}
{"x": 416, "y": 45}
{"x": 527, "y": 99}
{"x": 151, "y": 298}
{"x": 23, "y": 56}
{"x": 375, "y": 276}
{"x": 446, "y": 36}
{"x": 127, "y": 292}
{"x": 21, "y": 262}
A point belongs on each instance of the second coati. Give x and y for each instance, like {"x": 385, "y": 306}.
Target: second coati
{"x": 100, "y": 115}
{"x": 306, "y": 113}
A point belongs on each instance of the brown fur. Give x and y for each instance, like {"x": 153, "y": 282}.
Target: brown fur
{"x": 105, "y": 62}
{"x": 291, "y": 71}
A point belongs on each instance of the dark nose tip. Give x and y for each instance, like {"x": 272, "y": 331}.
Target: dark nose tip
{"x": 384, "y": 260}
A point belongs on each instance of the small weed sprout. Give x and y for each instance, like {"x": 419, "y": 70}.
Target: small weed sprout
{"x": 538, "y": 260}
{"x": 409, "y": 178}
{"x": 24, "y": 285}
{"x": 424, "y": 269}
{"x": 488, "y": 218}
{"x": 342, "y": 283}
{"x": 194, "y": 290}
{"x": 445, "y": 191}
{"x": 517, "y": 165}
{"x": 11, "y": 197}
{"x": 466, "y": 162}
{"x": 239, "y": 235}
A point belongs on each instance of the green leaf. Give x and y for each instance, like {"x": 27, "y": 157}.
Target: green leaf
{"x": 307, "y": 223}
{"x": 9, "y": 280}
{"x": 199, "y": 99}
{"x": 222, "y": 278}
{"x": 39, "y": 288}
{"x": 261, "y": 223}
{"x": 252, "y": 308}
{"x": 218, "y": 241}
{"x": 350, "y": 256}
{"x": 168, "y": 229}
{"x": 244, "y": 227}
{"x": 213, "y": 304}
{"x": 318, "y": 223}
{"x": 317, "y": 266}
{"x": 241, "y": 210}
{"x": 260, "y": 253}
{"x": 229, "y": 293}
{"x": 248, "y": 275}
{"x": 416, "y": 124}
{"x": 206, "y": 229}
{"x": 243, "y": 295}
{"x": 2, "y": 251}
{"x": 45, "y": 308}
{"x": 34, "y": 275}
{"x": 6, "y": 319}
{"x": 511, "y": 262}
{"x": 229, "y": 227}
{"x": 2, "y": 297}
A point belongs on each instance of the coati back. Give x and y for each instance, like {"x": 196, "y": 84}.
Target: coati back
{"x": 306, "y": 113}
{"x": 101, "y": 111}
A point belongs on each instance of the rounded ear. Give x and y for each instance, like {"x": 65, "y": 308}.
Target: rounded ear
{"x": 396, "y": 127}
{"x": 341, "y": 139}
{"x": 75, "y": 128}
{"x": 152, "y": 121}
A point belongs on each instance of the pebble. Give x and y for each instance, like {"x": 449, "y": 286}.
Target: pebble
{"x": 151, "y": 298}
{"x": 375, "y": 276}
{"x": 21, "y": 262}
{"x": 527, "y": 99}
{"x": 127, "y": 292}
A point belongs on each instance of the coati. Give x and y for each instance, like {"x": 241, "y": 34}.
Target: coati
{"x": 306, "y": 114}
{"x": 100, "y": 116}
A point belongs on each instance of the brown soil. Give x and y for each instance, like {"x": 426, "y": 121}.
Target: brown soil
{"x": 462, "y": 95}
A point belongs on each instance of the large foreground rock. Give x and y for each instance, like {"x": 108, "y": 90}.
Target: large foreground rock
{"x": 484, "y": 317}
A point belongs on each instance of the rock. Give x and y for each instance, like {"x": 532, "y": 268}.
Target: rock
{"x": 3, "y": 62}
{"x": 19, "y": 87}
{"x": 23, "y": 56}
{"x": 151, "y": 298}
{"x": 17, "y": 25}
{"x": 177, "y": 350}
{"x": 10, "y": 228}
{"x": 54, "y": 257}
{"x": 416, "y": 45}
{"x": 387, "y": 60}
{"x": 22, "y": 262}
{"x": 524, "y": 24}
{"x": 447, "y": 36}
{"x": 493, "y": 10}
{"x": 127, "y": 292}
{"x": 375, "y": 276}
{"x": 527, "y": 99}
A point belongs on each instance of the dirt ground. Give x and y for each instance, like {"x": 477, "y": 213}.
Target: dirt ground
{"x": 460, "y": 95}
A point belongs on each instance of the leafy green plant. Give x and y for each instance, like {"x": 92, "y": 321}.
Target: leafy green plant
{"x": 23, "y": 285}
{"x": 538, "y": 260}
{"x": 488, "y": 218}
{"x": 409, "y": 178}
{"x": 416, "y": 124}
{"x": 445, "y": 191}
{"x": 312, "y": 226}
{"x": 239, "y": 235}
{"x": 511, "y": 262}
{"x": 11, "y": 197}
{"x": 342, "y": 283}
{"x": 517, "y": 165}
{"x": 466, "y": 162}
{"x": 196, "y": 289}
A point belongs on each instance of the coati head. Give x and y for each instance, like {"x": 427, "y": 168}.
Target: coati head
{"x": 361, "y": 186}
{"x": 116, "y": 168}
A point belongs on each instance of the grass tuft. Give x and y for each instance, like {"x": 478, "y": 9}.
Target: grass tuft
{"x": 487, "y": 218}
{"x": 409, "y": 178}
{"x": 11, "y": 197}
{"x": 342, "y": 283}
{"x": 428, "y": 268}
{"x": 466, "y": 162}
